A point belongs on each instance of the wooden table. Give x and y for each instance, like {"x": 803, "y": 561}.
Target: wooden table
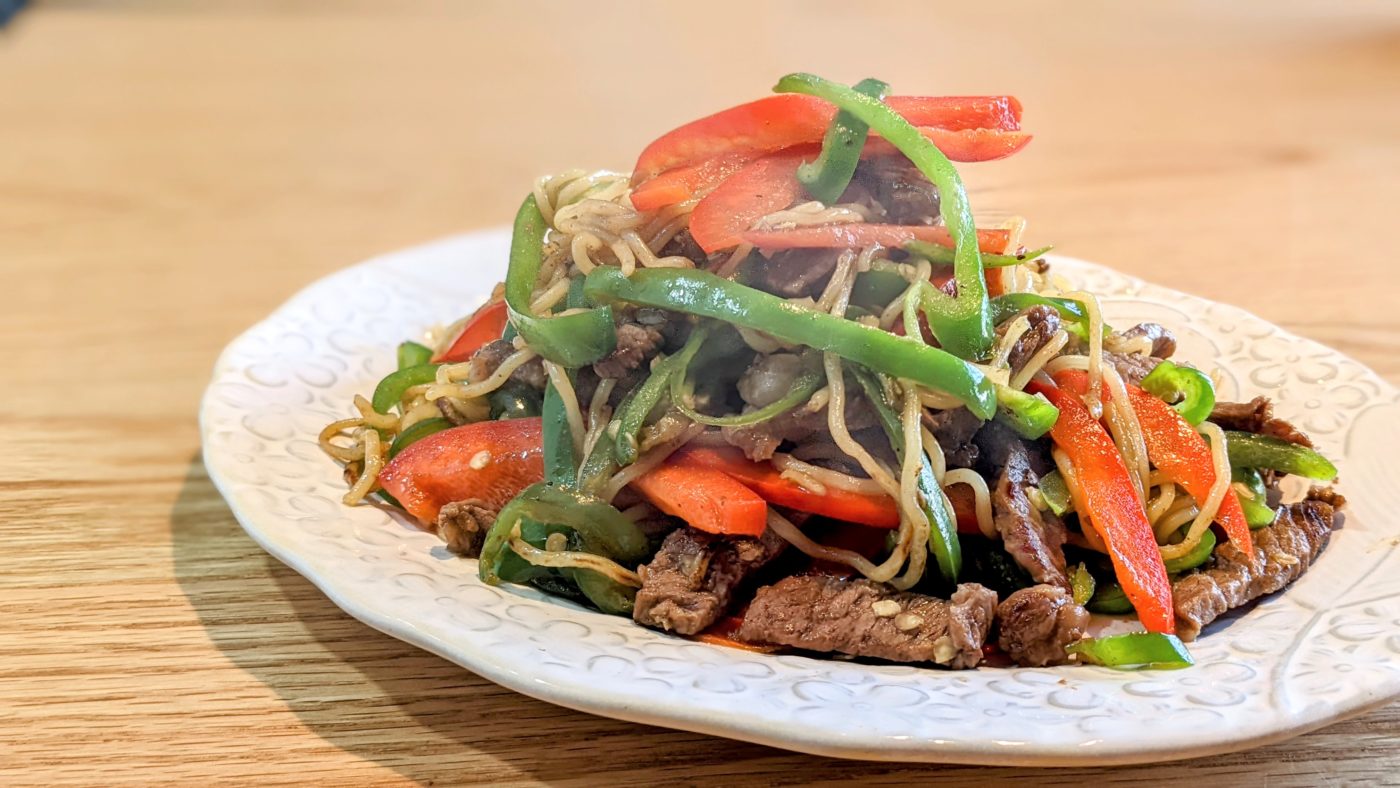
{"x": 170, "y": 172}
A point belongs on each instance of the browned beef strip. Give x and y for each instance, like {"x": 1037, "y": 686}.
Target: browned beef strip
{"x": 1257, "y": 416}
{"x": 1163, "y": 340}
{"x": 1035, "y": 539}
{"x": 867, "y": 619}
{"x": 1044, "y": 323}
{"x": 954, "y": 430}
{"x": 760, "y": 441}
{"x": 1327, "y": 495}
{"x": 488, "y": 358}
{"x": 794, "y": 273}
{"x": 1282, "y": 553}
{"x": 905, "y": 195}
{"x": 463, "y": 525}
{"x": 1133, "y": 367}
{"x": 1035, "y": 624}
{"x": 637, "y": 342}
{"x": 691, "y": 580}
{"x": 683, "y": 245}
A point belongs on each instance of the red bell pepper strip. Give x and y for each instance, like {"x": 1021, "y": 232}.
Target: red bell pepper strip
{"x": 777, "y": 122}
{"x": 485, "y": 325}
{"x": 879, "y": 511}
{"x": 1178, "y": 451}
{"x": 707, "y": 499}
{"x": 965, "y": 145}
{"x": 856, "y": 236}
{"x": 760, "y": 188}
{"x": 1117, "y": 515}
{"x": 682, "y": 183}
{"x": 491, "y": 461}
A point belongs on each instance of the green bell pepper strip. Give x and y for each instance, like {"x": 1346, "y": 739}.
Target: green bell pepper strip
{"x": 807, "y": 383}
{"x": 514, "y": 401}
{"x": 827, "y": 177}
{"x": 1257, "y": 511}
{"x": 415, "y": 433}
{"x": 642, "y": 400}
{"x": 1134, "y": 650}
{"x": 413, "y": 354}
{"x": 560, "y": 463}
{"x": 1191, "y": 391}
{"x": 1198, "y": 555}
{"x": 963, "y": 325}
{"x": 1109, "y": 598}
{"x": 1030, "y": 415}
{"x": 1055, "y": 493}
{"x": 943, "y": 527}
{"x": 1081, "y": 585}
{"x": 592, "y": 525}
{"x": 876, "y": 289}
{"x": 1248, "y": 450}
{"x": 702, "y": 293}
{"x": 942, "y": 255}
{"x": 568, "y": 340}
{"x": 390, "y": 390}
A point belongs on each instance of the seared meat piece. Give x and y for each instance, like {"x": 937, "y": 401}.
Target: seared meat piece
{"x": 463, "y": 525}
{"x": 769, "y": 378}
{"x": 691, "y": 579}
{"x": 683, "y": 245}
{"x": 794, "y": 273}
{"x": 488, "y": 358}
{"x": 1132, "y": 366}
{"x": 759, "y": 441}
{"x": 451, "y": 411}
{"x": 1032, "y": 537}
{"x": 1282, "y": 553}
{"x": 954, "y": 430}
{"x": 637, "y": 342}
{"x": 1328, "y": 496}
{"x": 906, "y": 196}
{"x": 1044, "y": 323}
{"x": 1035, "y": 624}
{"x": 866, "y": 619}
{"x": 1257, "y": 416}
{"x": 1163, "y": 340}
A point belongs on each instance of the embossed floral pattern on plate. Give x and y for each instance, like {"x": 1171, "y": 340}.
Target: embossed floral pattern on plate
{"x": 1328, "y": 647}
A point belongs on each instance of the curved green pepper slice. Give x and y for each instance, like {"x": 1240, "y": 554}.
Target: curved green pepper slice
{"x": 1190, "y": 389}
{"x": 412, "y": 354}
{"x": 514, "y": 401}
{"x": 415, "y": 433}
{"x": 1109, "y": 598}
{"x": 1257, "y": 511}
{"x": 569, "y": 340}
{"x": 1134, "y": 650}
{"x": 1248, "y": 450}
{"x": 1198, "y": 555}
{"x": 390, "y": 390}
{"x": 827, "y": 177}
{"x": 942, "y": 255}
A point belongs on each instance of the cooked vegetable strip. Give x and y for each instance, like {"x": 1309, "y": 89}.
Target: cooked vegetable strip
{"x": 943, "y": 527}
{"x": 1255, "y": 504}
{"x": 760, "y": 188}
{"x": 1190, "y": 389}
{"x": 962, "y": 324}
{"x": 942, "y": 255}
{"x": 859, "y": 236}
{"x": 827, "y": 177}
{"x": 391, "y": 389}
{"x": 807, "y": 383}
{"x": 485, "y": 325}
{"x": 1195, "y": 557}
{"x": 1134, "y": 650}
{"x": 1248, "y": 450}
{"x": 642, "y": 400}
{"x": 704, "y": 294}
{"x": 708, "y": 499}
{"x": 570, "y": 340}
{"x": 560, "y": 461}
{"x": 489, "y": 461}
{"x": 1030, "y": 415}
{"x": 1117, "y": 515}
{"x": 412, "y": 354}
{"x": 416, "y": 433}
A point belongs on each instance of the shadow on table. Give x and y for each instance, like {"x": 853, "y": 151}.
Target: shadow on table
{"x": 430, "y": 720}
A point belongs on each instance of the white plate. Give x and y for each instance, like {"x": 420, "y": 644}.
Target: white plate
{"x": 1326, "y": 648}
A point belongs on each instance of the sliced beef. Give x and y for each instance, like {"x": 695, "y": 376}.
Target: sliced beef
{"x": 794, "y": 273}
{"x": 1162, "y": 339}
{"x": 637, "y": 342}
{"x": 683, "y": 245}
{"x": 451, "y": 409}
{"x": 867, "y": 619}
{"x": 1133, "y": 367}
{"x": 1282, "y": 553}
{"x": 1257, "y": 416}
{"x": 1327, "y": 495}
{"x": 463, "y": 525}
{"x": 1035, "y": 624}
{"x": 954, "y": 430}
{"x": 691, "y": 579}
{"x": 904, "y": 194}
{"x": 489, "y": 357}
{"x": 1035, "y": 539}
{"x": 1044, "y": 324}
{"x": 760, "y": 441}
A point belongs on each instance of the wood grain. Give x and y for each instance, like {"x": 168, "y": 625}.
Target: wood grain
{"x": 170, "y": 172}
